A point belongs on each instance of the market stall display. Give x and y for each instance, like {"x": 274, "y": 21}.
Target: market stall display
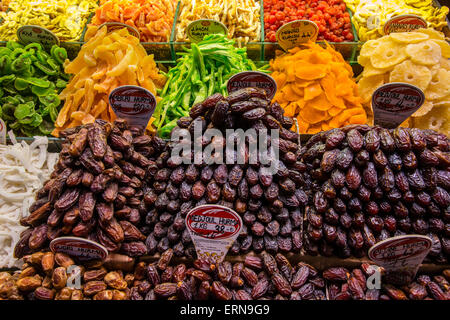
{"x": 330, "y": 16}
{"x": 23, "y": 170}
{"x": 241, "y": 17}
{"x": 297, "y": 186}
{"x": 152, "y": 18}
{"x": 96, "y": 189}
{"x": 32, "y": 78}
{"x": 65, "y": 18}
{"x": 270, "y": 205}
{"x": 419, "y": 58}
{"x": 316, "y": 86}
{"x": 372, "y": 184}
{"x": 202, "y": 70}
{"x": 370, "y": 16}
{"x": 108, "y": 60}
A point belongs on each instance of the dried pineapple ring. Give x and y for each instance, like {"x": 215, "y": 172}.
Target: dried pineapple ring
{"x": 427, "y": 52}
{"x": 445, "y": 63}
{"x": 436, "y": 120}
{"x": 371, "y": 71}
{"x": 409, "y": 37}
{"x": 433, "y": 34}
{"x": 412, "y": 73}
{"x": 424, "y": 109}
{"x": 387, "y": 55}
{"x": 445, "y": 48}
{"x": 439, "y": 86}
{"x": 366, "y": 86}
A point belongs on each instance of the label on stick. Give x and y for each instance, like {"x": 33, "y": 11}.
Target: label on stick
{"x": 197, "y": 29}
{"x": 29, "y": 34}
{"x": 81, "y": 248}
{"x": 134, "y": 104}
{"x": 404, "y": 23}
{"x": 401, "y": 256}
{"x": 111, "y": 26}
{"x": 213, "y": 230}
{"x": 394, "y": 102}
{"x": 256, "y": 79}
{"x": 296, "y": 32}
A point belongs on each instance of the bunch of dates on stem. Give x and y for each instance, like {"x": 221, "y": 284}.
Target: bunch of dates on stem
{"x": 371, "y": 183}
{"x": 263, "y": 277}
{"x": 95, "y": 190}
{"x": 56, "y": 276}
{"x": 270, "y": 202}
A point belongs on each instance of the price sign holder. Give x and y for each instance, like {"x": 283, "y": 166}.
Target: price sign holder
{"x": 394, "y": 102}
{"x": 82, "y": 249}
{"x": 213, "y": 230}
{"x": 296, "y": 32}
{"x": 112, "y": 26}
{"x": 404, "y": 23}
{"x": 257, "y": 79}
{"x": 197, "y": 29}
{"x": 31, "y": 33}
{"x": 401, "y": 256}
{"x": 134, "y": 104}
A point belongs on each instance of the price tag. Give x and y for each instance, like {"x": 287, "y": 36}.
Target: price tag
{"x": 296, "y": 32}
{"x": 2, "y": 132}
{"x": 134, "y": 104}
{"x": 29, "y": 34}
{"x": 257, "y": 79}
{"x": 394, "y": 102}
{"x": 197, "y": 29}
{"x": 401, "y": 256}
{"x": 111, "y": 26}
{"x": 404, "y": 23}
{"x": 213, "y": 230}
{"x": 83, "y": 249}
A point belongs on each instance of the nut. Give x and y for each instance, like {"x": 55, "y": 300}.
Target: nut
{"x": 104, "y": 295}
{"x": 94, "y": 287}
{"x": 28, "y": 283}
{"x": 63, "y": 260}
{"x": 43, "y": 293}
{"x": 59, "y": 278}
{"x": 115, "y": 281}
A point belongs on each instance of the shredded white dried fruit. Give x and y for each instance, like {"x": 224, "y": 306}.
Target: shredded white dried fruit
{"x": 23, "y": 170}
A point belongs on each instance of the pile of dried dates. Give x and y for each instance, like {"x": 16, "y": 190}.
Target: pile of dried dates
{"x": 258, "y": 278}
{"x": 95, "y": 191}
{"x": 370, "y": 183}
{"x": 346, "y": 285}
{"x": 271, "y": 206}
{"x": 48, "y": 276}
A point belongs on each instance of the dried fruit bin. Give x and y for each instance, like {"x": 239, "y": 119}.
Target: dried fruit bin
{"x": 347, "y": 49}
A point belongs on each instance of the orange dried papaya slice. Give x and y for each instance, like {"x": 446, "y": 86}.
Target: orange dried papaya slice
{"x": 312, "y": 91}
{"x": 309, "y": 71}
{"x": 320, "y": 103}
{"x": 312, "y": 115}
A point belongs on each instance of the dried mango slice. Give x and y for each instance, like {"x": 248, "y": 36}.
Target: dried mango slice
{"x": 412, "y": 73}
{"x": 319, "y": 103}
{"x": 312, "y": 115}
{"x": 308, "y": 71}
{"x": 313, "y": 91}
